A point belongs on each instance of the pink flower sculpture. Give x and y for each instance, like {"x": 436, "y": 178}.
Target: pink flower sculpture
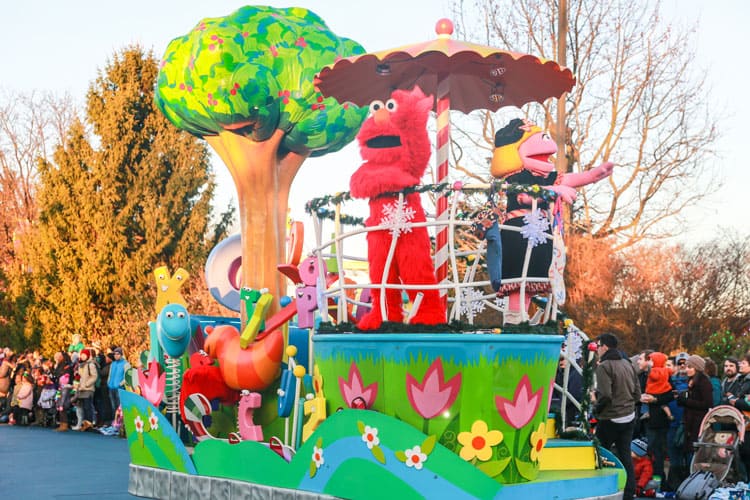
{"x": 352, "y": 389}
{"x": 521, "y": 410}
{"x": 152, "y": 384}
{"x": 433, "y": 396}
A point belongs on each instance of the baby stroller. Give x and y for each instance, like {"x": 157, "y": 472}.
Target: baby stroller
{"x": 46, "y": 402}
{"x": 722, "y": 430}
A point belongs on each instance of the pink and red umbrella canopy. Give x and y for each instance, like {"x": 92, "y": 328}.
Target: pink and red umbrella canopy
{"x": 479, "y": 77}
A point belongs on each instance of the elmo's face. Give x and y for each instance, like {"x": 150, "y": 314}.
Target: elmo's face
{"x": 380, "y": 135}
{"x": 395, "y": 132}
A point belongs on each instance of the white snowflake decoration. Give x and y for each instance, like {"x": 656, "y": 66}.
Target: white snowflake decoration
{"x": 396, "y": 217}
{"x": 535, "y": 227}
{"x": 574, "y": 342}
{"x": 472, "y": 302}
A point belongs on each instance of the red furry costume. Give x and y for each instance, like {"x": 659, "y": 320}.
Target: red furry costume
{"x": 393, "y": 142}
{"x": 203, "y": 377}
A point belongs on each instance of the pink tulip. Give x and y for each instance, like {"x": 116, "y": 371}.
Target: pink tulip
{"x": 521, "y": 410}
{"x": 352, "y": 389}
{"x": 433, "y": 396}
{"x": 152, "y": 384}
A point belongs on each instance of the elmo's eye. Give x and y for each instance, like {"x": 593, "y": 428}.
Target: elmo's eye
{"x": 376, "y": 105}
{"x": 391, "y": 105}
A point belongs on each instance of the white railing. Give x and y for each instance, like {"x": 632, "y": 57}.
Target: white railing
{"x": 465, "y": 295}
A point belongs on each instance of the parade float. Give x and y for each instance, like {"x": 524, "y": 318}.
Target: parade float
{"x": 352, "y": 389}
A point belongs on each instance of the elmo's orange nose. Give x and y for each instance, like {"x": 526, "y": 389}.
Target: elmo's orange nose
{"x": 381, "y": 116}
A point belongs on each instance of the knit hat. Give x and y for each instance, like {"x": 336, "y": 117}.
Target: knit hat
{"x": 696, "y": 362}
{"x": 117, "y": 350}
{"x": 639, "y": 447}
{"x": 683, "y": 356}
{"x": 608, "y": 339}
{"x": 87, "y": 353}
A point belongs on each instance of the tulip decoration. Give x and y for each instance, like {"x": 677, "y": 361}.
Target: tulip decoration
{"x": 519, "y": 413}
{"x": 434, "y": 395}
{"x": 353, "y": 388}
{"x": 522, "y": 409}
{"x": 152, "y": 383}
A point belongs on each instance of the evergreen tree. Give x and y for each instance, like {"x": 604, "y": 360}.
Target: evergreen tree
{"x": 113, "y": 209}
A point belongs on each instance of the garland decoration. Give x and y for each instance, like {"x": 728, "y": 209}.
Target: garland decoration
{"x": 318, "y": 206}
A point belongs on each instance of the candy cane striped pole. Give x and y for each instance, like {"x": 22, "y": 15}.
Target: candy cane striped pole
{"x": 443, "y": 145}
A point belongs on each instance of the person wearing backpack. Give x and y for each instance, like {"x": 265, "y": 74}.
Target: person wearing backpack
{"x": 88, "y": 373}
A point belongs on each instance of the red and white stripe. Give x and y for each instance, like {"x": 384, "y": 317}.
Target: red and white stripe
{"x": 443, "y": 151}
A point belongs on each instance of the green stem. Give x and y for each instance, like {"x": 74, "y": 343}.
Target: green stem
{"x": 426, "y": 426}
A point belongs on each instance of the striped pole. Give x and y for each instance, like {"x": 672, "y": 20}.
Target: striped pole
{"x": 443, "y": 148}
{"x": 444, "y": 30}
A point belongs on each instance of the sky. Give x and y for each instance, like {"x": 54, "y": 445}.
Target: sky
{"x": 60, "y": 46}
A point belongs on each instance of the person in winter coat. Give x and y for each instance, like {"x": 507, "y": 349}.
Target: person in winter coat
{"x": 732, "y": 381}
{"x": 88, "y": 373}
{"x": 23, "y": 398}
{"x": 696, "y": 401}
{"x": 102, "y": 404}
{"x": 712, "y": 372}
{"x": 740, "y": 400}
{"x": 642, "y": 465}
{"x": 658, "y": 395}
{"x": 116, "y": 380}
{"x": 616, "y": 396}
{"x": 6, "y": 377}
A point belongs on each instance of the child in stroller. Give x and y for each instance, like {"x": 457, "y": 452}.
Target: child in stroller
{"x": 717, "y": 450}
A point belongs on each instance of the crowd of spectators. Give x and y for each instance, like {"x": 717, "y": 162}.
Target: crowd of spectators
{"x": 668, "y": 422}
{"x": 76, "y": 389}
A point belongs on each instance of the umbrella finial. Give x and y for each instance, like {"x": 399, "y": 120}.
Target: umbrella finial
{"x": 444, "y": 28}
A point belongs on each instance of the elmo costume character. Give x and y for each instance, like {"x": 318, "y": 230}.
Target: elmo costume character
{"x": 395, "y": 147}
{"x": 522, "y": 156}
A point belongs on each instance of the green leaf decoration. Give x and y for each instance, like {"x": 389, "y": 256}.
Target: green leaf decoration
{"x": 401, "y": 456}
{"x": 528, "y": 470}
{"x": 361, "y": 426}
{"x": 428, "y": 445}
{"x": 313, "y": 468}
{"x": 377, "y": 452}
{"x": 494, "y": 467}
{"x": 252, "y": 72}
{"x": 319, "y": 442}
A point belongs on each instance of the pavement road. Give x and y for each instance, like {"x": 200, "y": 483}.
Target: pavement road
{"x": 38, "y": 463}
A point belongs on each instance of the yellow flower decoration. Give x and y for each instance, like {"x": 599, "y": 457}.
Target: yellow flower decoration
{"x": 479, "y": 442}
{"x": 538, "y": 440}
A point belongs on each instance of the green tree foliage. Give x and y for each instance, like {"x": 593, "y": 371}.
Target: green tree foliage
{"x": 252, "y": 72}
{"x": 114, "y": 208}
{"x": 722, "y": 344}
{"x": 245, "y": 82}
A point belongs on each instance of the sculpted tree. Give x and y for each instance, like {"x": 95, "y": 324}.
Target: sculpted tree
{"x": 245, "y": 83}
{"x": 639, "y": 101}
